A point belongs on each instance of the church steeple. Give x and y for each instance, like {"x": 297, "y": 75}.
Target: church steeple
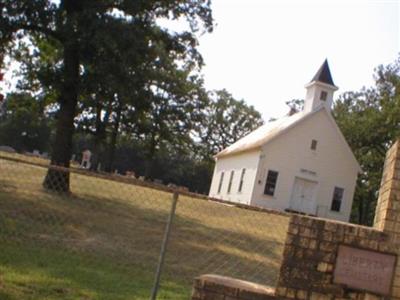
{"x": 320, "y": 90}
{"x": 324, "y": 74}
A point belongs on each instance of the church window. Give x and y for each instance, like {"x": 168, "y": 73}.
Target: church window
{"x": 337, "y": 199}
{"x": 270, "y": 184}
{"x": 323, "y": 96}
{"x": 314, "y": 144}
{"x": 221, "y": 179}
{"x": 241, "y": 180}
{"x": 230, "y": 181}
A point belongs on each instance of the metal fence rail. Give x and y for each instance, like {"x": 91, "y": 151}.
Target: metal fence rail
{"x": 103, "y": 240}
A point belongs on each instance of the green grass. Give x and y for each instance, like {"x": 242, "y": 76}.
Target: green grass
{"x": 103, "y": 240}
{"x": 32, "y": 272}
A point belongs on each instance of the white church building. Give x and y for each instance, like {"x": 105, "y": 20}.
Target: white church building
{"x": 299, "y": 163}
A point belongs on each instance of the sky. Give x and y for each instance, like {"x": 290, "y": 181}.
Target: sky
{"x": 265, "y": 51}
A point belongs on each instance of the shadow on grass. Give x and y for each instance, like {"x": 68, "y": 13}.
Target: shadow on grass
{"x": 102, "y": 247}
{"x": 32, "y": 272}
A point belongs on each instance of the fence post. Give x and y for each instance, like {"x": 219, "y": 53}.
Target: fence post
{"x": 164, "y": 247}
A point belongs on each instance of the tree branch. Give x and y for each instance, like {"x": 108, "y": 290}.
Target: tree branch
{"x": 40, "y": 29}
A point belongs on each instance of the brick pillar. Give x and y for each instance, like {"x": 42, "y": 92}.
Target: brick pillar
{"x": 387, "y": 214}
{"x": 388, "y": 206}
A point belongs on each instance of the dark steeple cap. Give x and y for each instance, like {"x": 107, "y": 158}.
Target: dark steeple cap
{"x": 324, "y": 74}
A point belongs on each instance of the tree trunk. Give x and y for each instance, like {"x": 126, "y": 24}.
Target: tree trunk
{"x": 101, "y": 134}
{"x": 94, "y": 159}
{"x": 368, "y": 220}
{"x": 98, "y": 136}
{"x": 148, "y": 168}
{"x": 57, "y": 180}
{"x": 113, "y": 141}
{"x": 360, "y": 212}
{"x": 150, "y": 158}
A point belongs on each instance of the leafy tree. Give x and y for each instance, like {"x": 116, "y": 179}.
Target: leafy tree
{"x": 1, "y": 79}
{"x": 295, "y": 105}
{"x": 24, "y": 125}
{"x": 170, "y": 165}
{"x": 167, "y": 136}
{"x": 370, "y": 121}
{"x": 225, "y": 121}
{"x": 73, "y": 24}
{"x": 176, "y": 107}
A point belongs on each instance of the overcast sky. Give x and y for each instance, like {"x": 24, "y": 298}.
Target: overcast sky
{"x": 265, "y": 51}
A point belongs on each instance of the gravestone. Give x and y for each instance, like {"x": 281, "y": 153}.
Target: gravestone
{"x": 86, "y": 157}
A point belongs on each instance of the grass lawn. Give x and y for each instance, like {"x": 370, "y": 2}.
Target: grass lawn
{"x": 103, "y": 240}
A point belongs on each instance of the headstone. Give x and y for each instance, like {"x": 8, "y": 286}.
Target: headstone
{"x": 86, "y": 156}
{"x": 130, "y": 174}
{"x": 7, "y": 149}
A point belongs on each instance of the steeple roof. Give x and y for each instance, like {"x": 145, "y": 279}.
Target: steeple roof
{"x": 324, "y": 74}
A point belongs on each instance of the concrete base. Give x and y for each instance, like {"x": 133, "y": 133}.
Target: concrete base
{"x": 215, "y": 287}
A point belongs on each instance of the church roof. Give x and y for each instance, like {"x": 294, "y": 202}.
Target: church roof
{"x": 265, "y": 133}
{"x": 271, "y": 130}
{"x": 324, "y": 74}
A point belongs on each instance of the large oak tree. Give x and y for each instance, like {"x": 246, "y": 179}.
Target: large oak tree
{"x": 74, "y": 24}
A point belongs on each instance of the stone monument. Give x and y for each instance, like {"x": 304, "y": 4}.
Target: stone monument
{"x": 86, "y": 157}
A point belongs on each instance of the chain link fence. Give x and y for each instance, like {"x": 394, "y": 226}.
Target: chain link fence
{"x": 104, "y": 239}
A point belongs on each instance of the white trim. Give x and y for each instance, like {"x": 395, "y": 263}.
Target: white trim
{"x": 328, "y": 86}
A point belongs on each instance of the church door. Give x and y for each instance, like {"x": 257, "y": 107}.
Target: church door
{"x": 303, "y": 196}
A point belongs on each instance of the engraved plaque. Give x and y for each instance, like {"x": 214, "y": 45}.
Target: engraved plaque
{"x": 364, "y": 270}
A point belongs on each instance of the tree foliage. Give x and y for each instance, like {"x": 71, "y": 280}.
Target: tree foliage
{"x": 227, "y": 120}
{"x": 109, "y": 78}
{"x": 295, "y": 105}
{"x": 24, "y": 126}
{"x": 88, "y": 30}
{"x": 370, "y": 121}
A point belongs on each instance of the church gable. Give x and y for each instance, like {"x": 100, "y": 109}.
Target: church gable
{"x": 316, "y": 136}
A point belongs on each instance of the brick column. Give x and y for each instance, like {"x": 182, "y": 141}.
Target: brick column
{"x": 387, "y": 214}
{"x": 388, "y": 206}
